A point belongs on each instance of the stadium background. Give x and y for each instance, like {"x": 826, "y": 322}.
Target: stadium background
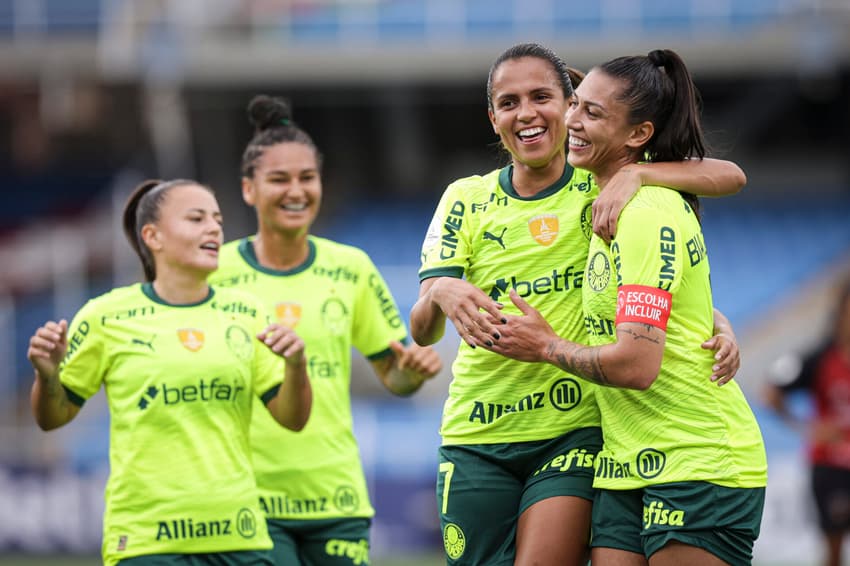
{"x": 98, "y": 94}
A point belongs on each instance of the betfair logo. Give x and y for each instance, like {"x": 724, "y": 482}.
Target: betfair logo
{"x": 544, "y": 228}
{"x": 204, "y": 392}
{"x": 356, "y": 551}
{"x": 288, "y": 314}
{"x": 569, "y": 278}
{"x": 650, "y": 463}
{"x": 191, "y": 338}
{"x": 656, "y": 514}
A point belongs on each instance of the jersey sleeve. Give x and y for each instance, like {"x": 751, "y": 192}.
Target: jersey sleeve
{"x": 376, "y": 320}
{"x": 648, "y": 249}
{"x": 446, "y": 248}
{"x": 83, "y": 369}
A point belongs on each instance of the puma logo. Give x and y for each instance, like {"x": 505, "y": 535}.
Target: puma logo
{"x": 497, "y": 239}
{"x": 140, "y": 342}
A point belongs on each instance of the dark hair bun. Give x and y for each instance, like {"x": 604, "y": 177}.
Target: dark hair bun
{"x": 266, "y": 112}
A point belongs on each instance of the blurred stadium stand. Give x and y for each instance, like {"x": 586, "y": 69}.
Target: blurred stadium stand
{"x": 97, "y": 94}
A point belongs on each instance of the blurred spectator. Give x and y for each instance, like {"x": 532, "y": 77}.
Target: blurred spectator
{"x": 824, "y": 374}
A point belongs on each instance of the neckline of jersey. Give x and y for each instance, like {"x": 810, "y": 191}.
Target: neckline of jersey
{"x": 246, "y": 250}
{"x": 150, "y": 292}
{"x": 506, "y": 182}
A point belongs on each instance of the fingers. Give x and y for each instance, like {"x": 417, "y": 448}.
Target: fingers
{"x": 422, "y": 360}
{"x": 282, "y": 341}
{"x": 727, "y": 359}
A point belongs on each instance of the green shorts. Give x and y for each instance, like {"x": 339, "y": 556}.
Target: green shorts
{"x": 321, "y": 542}
{"x": 724, "y": 521}
{"x": 483, "y": 489}
{"x": 240, "y": 558}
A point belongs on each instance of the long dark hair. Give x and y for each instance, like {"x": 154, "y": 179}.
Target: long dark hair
{"x": 658, "y": 88}
{"x": 143, "y": 207}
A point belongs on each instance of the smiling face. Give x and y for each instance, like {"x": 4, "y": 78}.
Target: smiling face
{"x": 286, "y": 188}
{"x": 601, "y": 139}
{"x": 188, "y": 234}
{"x": 527, "y": 113}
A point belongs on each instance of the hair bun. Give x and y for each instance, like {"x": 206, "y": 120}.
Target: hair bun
{"x": 265, "y": 112}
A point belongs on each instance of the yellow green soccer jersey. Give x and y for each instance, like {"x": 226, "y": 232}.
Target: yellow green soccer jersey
{"x": 498, "y": 241}
{"x": 335, "y": 300}
{"x": 684, "y": 427}
{"x": 180, "y": 383}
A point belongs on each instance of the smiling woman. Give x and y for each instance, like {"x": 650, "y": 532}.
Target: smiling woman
{"x": 312, "y": 487}
{"x": 516, "y": 464}
{"x": 179, "y": 371}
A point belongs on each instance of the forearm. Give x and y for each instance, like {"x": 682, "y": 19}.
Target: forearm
{"x": 704, "y": 177}
{"x": 633, "y": 362}
{"x": 49, "y": 401}
{"x": 293, "y": 403}
{"x": 427, "y": 320}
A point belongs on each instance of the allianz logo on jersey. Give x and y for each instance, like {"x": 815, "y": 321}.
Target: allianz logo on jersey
{"x": 214, "y": 390}
{"x": 555, "y": 282}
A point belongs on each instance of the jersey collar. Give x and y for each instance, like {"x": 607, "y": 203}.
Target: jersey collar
{"x": 148, "y": 290}
{"x": 506, "y": 176}
{"x": 246, "y": 250}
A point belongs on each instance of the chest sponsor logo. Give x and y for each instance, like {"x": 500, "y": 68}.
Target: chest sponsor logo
{"x": 191, "y": 338}
{"x": 554, "y": 282}
{"x": 202, "y": 392}
{"x": 599, "y": 272}
{"x": 544, "y": 228}
{"x": 288, "y": 313}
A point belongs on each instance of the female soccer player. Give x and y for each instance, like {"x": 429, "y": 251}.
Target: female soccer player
{"x": 316, "y": 503}
{"x": 180, "y": 362}
{"x": 682, "y": 471}
{"x": 516, "y": 464}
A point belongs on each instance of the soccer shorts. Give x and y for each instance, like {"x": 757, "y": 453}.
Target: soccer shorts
{"x": 483, "y": 489}
{"x": 722, "y": 520}
{"x": 320, "y": 542}
{"x": 240, "y": 558}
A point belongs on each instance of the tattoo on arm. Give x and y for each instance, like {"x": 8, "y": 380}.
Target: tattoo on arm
{"x": 638, "y": 336}
{"x": 582, "y": 361}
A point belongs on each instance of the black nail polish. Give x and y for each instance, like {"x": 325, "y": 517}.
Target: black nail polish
{"x": 496, "y": 335}
{"x": 504, "y": 320}
{"x": 489, "y": 343}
